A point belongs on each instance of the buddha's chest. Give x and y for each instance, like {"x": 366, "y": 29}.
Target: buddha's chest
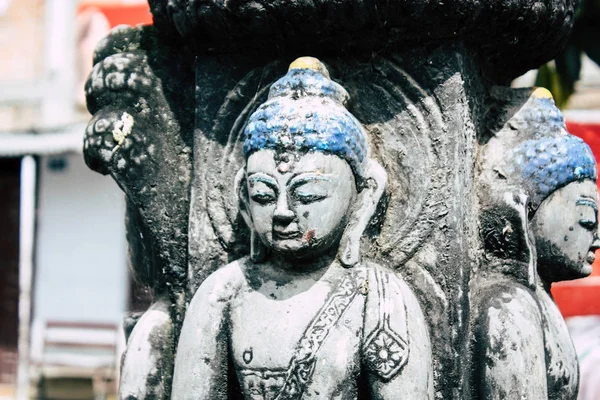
{"x": 275, "y": 338}
{"x": 561, "y": 358}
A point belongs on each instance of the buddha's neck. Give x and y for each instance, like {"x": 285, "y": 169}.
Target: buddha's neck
{"x": 302, "y": 266}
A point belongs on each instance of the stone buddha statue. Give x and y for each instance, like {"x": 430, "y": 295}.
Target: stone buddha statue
{"x": 304, "y": 316}
{"x": 551, "y": 177}
{"x": 564, "y": 220}
{"x": 561, "y": 172}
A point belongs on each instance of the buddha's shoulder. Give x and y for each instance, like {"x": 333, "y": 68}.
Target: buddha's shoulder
{"x": 387, "y": 283}
{"x": 224, "y": 283}
{"x": 394, "y": 325}
{"x": 502, "y": 293}
{"x": 382, "y": 276}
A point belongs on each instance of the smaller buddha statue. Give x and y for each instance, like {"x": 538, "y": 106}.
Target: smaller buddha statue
{"x": 550, "y": 176}
{"x": 304, "y": 316}
{"x": 561, "y": 172}
{"x": 564, "y": 217}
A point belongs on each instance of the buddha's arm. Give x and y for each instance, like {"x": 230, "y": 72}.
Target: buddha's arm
{"x": 147, "y": 362}
{"x": 202, "y": 355}
{"x": 414, "y": 379}
{"x": 509, "y": 353}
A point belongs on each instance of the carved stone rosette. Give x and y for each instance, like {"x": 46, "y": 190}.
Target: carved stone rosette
{"x": 461, "y": 220}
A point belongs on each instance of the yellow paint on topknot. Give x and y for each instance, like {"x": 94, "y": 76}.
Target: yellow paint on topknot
{"x": 542, "y": 93}
{"x": 309, "y": 63}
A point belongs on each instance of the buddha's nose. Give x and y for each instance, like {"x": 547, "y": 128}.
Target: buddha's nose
{"x": 283, "y": 214}
{"x": 596, "y": 243}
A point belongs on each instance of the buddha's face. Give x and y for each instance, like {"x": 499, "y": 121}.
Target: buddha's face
{"x": 299, "y": 205}
{"x": 565, "y": 228}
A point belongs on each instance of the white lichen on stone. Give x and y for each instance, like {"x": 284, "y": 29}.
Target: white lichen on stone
{"x": 97, "y": 78}
{"x": 121, "y": 63}
{"x": 115, "y": 80}
{"x": 123, "y": 128}
{"x": 133, "y": 77}
{"x": 105, "y": 154}
{"x": 101, "y": 125}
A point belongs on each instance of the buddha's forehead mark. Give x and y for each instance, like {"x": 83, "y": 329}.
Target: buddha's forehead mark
{"x": 284, "y": 167}
{"x": 285, "y": 162}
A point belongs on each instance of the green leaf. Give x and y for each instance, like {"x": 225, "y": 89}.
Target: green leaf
{"x": 568, "y": 64}
{"x": 560, "y": 81}
{"x": 588, "y": 35}
{"x": 588, "y": 9}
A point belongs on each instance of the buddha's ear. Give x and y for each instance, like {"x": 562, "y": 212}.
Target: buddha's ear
{"x": 258, "y": 251}
{"x": 241, "y": 194}
{"x": 375, "y": 179}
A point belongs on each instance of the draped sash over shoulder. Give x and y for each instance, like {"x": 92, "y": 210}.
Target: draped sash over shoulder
{"x": 384, "y": 346}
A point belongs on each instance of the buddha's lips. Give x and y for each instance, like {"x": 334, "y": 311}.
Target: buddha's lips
{"x": 591, "y": 257}
{"x": 285, "y": 234}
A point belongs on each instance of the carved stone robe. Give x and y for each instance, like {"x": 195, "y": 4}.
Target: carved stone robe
{"x": 352, "y": 325}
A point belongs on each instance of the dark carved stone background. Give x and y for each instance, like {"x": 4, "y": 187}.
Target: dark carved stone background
{"x": 418, "y": 74}
{"x": 421, "y": 140}
{"x": 495, "y": 29}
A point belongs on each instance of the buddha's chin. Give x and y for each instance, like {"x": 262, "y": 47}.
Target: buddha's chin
{"x": 586, "y": 269}
{"x": 555, "y": 265}
{"x": 298, "y": 249}
{"x": 578, "y": 270}
{"x": 290, "y": 247}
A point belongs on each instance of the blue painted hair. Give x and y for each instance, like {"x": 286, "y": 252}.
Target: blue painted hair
{"x": 306, "y": 112}
{"x": 540, "y": 117}
{"x": 549, "y": 163}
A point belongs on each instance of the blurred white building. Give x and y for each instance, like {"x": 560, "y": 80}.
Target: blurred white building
{"x": 62, "y": 235}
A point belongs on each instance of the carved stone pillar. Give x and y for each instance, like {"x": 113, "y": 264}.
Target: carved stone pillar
{"x": 171, "y": 106}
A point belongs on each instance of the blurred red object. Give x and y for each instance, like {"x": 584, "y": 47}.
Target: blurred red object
{"x": 120, "y": 12}
{"x": 582, "y": 296}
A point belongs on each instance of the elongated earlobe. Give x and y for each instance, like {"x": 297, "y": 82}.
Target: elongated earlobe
{"x": 258, "y": 251}
{"x": 350, "y": 252}
{"x": 368, "y": 198}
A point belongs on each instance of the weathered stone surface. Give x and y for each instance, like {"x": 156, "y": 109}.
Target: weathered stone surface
{"x": 496, "y": 30}
{"x": 141, "y": 95}
{"x": 306, "y": 188}
{"x": 414, "y": 132}
{"x": 458, "y": 241}
{"x": 539, "y": 222}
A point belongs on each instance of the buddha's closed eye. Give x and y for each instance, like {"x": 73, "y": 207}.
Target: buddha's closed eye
{"x": 308, "y": 197}
{"x": 263, "y": 189}
{"x": 263, "y": 197}
{"x": 310, "y": 188}
{"x": 590, "y": 222}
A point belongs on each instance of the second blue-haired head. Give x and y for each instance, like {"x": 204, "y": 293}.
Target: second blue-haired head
{"x": 547, "y": 164}
{"x": 305, "y": 112}
{"x": 547, "y": 158}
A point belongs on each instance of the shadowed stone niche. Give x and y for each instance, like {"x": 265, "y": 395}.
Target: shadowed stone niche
{"x": 341, "y": 200}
